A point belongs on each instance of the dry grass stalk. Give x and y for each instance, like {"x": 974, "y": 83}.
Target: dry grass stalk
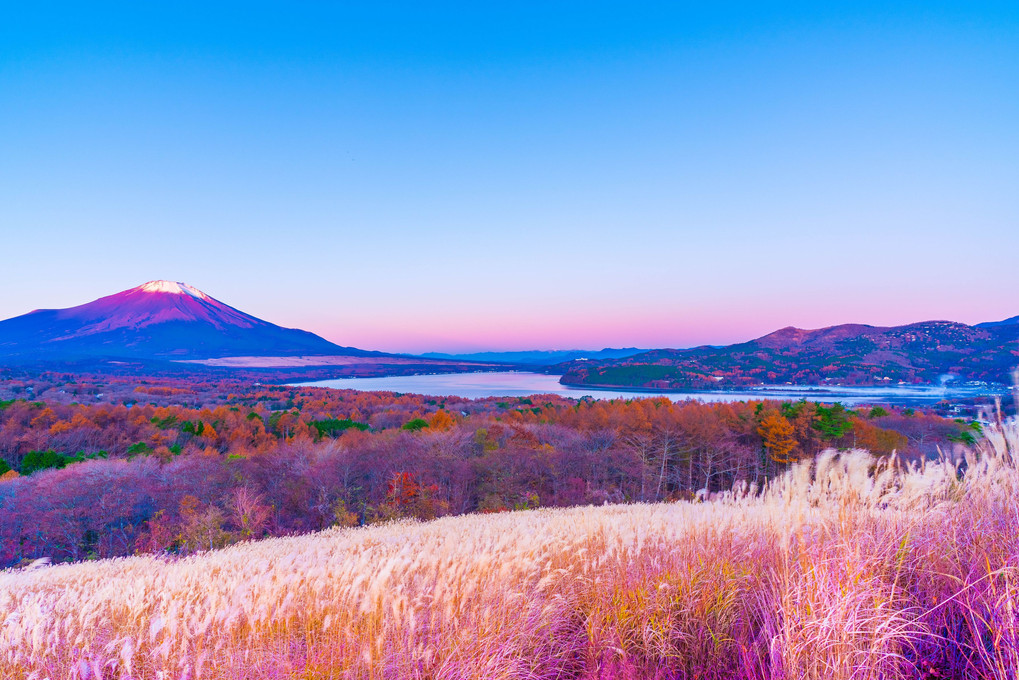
{"x": 846, "y": 568}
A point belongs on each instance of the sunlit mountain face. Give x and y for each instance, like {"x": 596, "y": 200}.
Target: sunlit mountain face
{"x": 159, "y": 319}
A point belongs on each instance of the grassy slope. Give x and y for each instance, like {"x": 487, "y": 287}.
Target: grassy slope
{"x": 846, "y": 570}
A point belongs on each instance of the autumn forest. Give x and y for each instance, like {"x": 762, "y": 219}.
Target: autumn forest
{"x": 100, "y": 466}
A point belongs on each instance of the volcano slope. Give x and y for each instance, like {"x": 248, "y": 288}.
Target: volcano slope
{"x": 156, "y": 320}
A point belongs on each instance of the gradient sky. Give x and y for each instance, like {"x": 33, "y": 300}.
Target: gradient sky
{"x": 446, "y": 176}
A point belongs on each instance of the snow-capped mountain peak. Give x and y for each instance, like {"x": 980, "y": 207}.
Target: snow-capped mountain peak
{"x": 160, "y": 318}
{"x": 174, "y": 287}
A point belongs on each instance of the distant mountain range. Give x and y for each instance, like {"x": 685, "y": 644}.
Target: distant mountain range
{"x": 166, "y": 321}
{"x": 851, "y": 354}
{"x": 538, "y": 357}
{"x": 157, "y": 320}
{"x": 1011, "y": 321}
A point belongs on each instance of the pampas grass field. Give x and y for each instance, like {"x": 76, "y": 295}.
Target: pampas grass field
{"x": 846, "y": 567}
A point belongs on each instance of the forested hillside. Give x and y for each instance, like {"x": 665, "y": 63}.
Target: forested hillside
{"x": 172, "y": 466}
{"x": 852, "y": 354}
{"x": 849, "y": 567}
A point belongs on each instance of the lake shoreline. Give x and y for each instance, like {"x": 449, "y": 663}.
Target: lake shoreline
{"x": 509, "y": 384}
{"x": 997, "y": 389}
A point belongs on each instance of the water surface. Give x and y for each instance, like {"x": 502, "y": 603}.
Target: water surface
{"x": 522, "y": 384}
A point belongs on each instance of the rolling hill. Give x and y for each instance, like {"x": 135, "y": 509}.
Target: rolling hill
{"x": 850, "y": 354}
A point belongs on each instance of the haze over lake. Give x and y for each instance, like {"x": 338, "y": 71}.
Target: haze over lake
{"x": 521, "y": 384}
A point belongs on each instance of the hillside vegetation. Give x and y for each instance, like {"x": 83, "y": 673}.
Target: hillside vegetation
{"x": 844, "y": 567}
{"x": 88, "y": 480}
{"x": 851, "y": 354}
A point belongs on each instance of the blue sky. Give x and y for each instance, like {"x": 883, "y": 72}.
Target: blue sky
{"x": 443, "y": 176}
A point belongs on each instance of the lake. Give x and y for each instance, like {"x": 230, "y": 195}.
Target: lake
{"x": 522, "y": 384}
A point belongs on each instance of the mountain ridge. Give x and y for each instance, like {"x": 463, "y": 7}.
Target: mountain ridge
{"x": 847, "y": 354}
{"x": 160, "y": 320}
{"x": 537, "y": 357}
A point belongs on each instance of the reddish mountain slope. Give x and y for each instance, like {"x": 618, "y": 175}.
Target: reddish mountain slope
{"x": 160, "y": 319}
{"x": 850, "y": 354}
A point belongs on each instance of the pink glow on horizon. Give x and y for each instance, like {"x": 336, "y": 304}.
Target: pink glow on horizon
{"x": 628, "y": 328}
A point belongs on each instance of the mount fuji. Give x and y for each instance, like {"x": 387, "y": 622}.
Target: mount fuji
{"x": 157, "y": 320}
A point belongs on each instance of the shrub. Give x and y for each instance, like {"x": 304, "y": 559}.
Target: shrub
{"x": 415, "y": 424}
{"x": 43, "y": 460}
{"x": 333, "y": 427}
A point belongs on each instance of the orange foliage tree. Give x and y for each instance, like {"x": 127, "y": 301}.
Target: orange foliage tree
{"x": 777, "y": 433}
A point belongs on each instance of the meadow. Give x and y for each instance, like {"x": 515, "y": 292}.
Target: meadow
{"x": 847, "y": 566}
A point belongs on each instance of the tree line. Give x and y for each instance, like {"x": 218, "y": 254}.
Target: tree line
{"x": 108, "y": 479}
